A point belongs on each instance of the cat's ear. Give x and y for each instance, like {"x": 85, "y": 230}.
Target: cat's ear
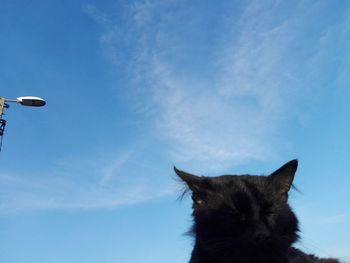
{"x": 282, "y": 179}
{"x": 192, "y": 181}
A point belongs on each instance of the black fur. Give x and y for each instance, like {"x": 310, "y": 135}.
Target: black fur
{"x": 245, "y": 218}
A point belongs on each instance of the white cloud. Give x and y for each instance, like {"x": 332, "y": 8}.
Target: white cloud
{"x": 237, "y": 110}
{"x": 203, "y": 126}
{"x": 213, "y": 121}
{"x": 334, "y": 219}
{"x": 96, "y": 14}
{"x": 82, "y": 184}
{"x": 228, "y": 116}
{"x": 113, "y": 168}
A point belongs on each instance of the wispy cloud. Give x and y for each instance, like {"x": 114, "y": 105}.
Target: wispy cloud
{"x": 81, "y": 184}
{"x": 113, "y": 168}
{"x": 220, "y": 105}
{"x": 335, "y": 219}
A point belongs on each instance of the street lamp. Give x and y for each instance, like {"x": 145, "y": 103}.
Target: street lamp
{"x": 25, "y": 101}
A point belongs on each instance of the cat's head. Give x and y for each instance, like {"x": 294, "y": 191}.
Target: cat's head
{"x": 243, "y": 210}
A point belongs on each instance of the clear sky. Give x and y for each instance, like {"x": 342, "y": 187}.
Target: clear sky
{"x": 135, "y": 87}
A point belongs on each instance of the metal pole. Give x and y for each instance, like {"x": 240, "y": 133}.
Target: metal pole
{"x": 2, "y": 122}
{"x": 2, "y": 106}
{"x": 6, "y": 100}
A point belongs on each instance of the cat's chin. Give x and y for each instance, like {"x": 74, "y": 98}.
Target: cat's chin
{"x": 246, "y": 246}
{"x": 262, "y": 252}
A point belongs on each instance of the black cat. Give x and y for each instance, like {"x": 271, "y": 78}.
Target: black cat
{"x": 245, "y": 218}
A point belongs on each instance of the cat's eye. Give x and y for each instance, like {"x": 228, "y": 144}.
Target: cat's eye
{"x": 267, "y": 209}
{"x": 268, "y": 212}
{"x": 198, "y": 199}
{"x": 238, "y": 215}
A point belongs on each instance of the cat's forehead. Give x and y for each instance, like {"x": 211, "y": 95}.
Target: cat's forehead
{"x": 242, "y": 190}
{"x": 238, "y": 182}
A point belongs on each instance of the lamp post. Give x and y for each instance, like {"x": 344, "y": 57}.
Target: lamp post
{"x": 25, "y": 101}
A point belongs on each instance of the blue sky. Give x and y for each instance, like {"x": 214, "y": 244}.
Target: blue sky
{"x": 134, "y": 87}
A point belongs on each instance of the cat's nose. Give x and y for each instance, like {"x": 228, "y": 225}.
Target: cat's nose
{"x": 262, "y": 233}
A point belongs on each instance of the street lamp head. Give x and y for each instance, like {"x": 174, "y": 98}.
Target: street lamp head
{"x": 31, "y": 101}
{"x": 25, "y": 101}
